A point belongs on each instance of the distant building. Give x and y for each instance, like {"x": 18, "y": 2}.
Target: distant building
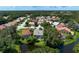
{"x": 55, "y": 18}
{"x": 48, "y": 18}
{"x": 6, "y": 17}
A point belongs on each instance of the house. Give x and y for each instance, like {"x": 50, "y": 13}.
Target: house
{"x": 55, "y": 18}
{"x": 38, "y": 32}
{"x": 40, "y": 21}
{"x": 11, "y": 23}
{"x": 39, "y": 26}
{"x": 50, "y": 22}
{"x": 61, "y": 27}
{"x": 22, "y": 18}
{"x": 26, "y": 33}
{"x": 18, "y": 20}
{"x": 48, "y": 18}
{"x": 6, "y": 17}
{"x": 32, "y": 27}
{"x": 2, "y": 27}
{"x": 8, "y": 24}
{"x": 31, "y": 23}
{"x": 58, "y": 18}
{"x": 55, "y": 23}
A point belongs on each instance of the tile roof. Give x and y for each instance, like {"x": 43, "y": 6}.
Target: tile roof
{"x": 61, "y": 27}
{"x": 26, "y": 32}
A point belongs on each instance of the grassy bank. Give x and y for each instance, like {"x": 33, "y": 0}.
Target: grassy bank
{"x": 70, "y": 41}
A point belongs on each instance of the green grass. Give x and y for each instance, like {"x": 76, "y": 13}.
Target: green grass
{"x": 41, "y": 43}
{"x": 24, "y": 41}
{"x": 16, "y": 47}
{"x": 70, "y": 41}
{"x": 76, "y": 48}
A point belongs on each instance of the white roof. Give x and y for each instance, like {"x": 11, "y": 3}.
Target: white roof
{"x": 39, "y": 27}
{"x": 38, "y": 32}
{"x": 33, "y": 27}
{"x": 55, "y": 23}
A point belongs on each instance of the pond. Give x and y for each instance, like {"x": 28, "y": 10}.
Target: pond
{"x": 68, "y": 48}
{"x": 24, "y": 48}
{"x": 63, "y": 49}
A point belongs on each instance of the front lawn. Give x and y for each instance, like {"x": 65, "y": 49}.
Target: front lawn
{"x": 24, "y": 41}
{"x": 69, "y": 41}
{"x": 41, "y": 43}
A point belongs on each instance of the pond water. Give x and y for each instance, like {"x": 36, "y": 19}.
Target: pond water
{"x": 24, "y": 48}
{"x": 68, "y": 48}
{"x": 63, "y": 49}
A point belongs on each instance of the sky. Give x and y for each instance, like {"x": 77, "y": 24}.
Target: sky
{"x": 18, "y": 8}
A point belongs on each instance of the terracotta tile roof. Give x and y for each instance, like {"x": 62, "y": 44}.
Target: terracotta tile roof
{"x": 26, "y": 32}
{"x": 61, "y": 27}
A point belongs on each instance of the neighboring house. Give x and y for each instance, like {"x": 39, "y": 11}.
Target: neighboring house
{"x": 32, "y": 27}
{"x": 49, "y": 21}
{"x": 19, "y": 19}
{"x": 11, "y": 23}
{"x": 39, "y": 26}
{"x": 40, "y": 21}
{"x": 7, "y": 24}
{"x": 38, "y": 32}
{"x": 55, "y": 18}
{"x": 6, "y": 17}
{"x": 61, "y": 27}
{"x": 48, "y": 18}
{"x": 22, "y": 18}
{"x": 31, "y": 23}
{"x": 26, "y": 33}
{"x": 2, "y": 27}
{"x": 55, "y": 23}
